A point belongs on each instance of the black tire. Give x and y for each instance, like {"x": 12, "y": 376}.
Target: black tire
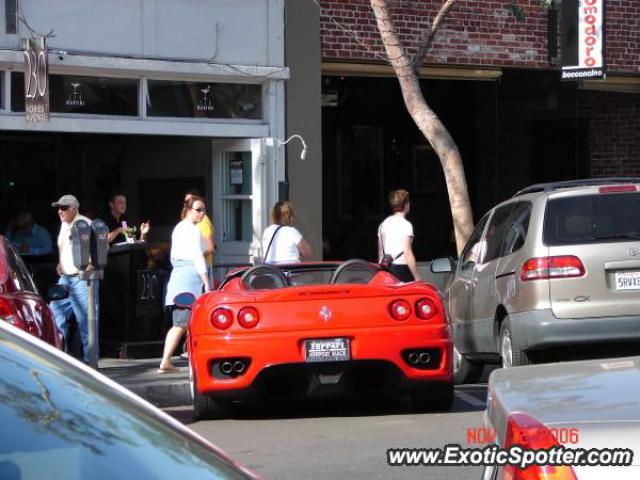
{"x": 465, "y": 371}
{"x": 518, "y": 356}
{"x": 436, "y": 397}
{"x": 205, "y": 407}
{"x": 354, "y": 271}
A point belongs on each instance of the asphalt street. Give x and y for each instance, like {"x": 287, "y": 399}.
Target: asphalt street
{"x": 342, "y": 438}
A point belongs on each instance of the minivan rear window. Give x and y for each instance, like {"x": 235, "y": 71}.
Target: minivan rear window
{"x": 592, "y": 219}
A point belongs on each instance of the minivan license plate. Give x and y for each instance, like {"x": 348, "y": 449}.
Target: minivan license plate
{"x": 327, "y": 350}
{"x": 628, "y": 280}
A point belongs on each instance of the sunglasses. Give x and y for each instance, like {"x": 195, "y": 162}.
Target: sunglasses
{"x": 64, "y": 208}
{"x": 199, "y": 210}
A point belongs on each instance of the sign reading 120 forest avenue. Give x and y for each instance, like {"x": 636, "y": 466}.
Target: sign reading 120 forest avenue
{"x": 583, "y": 53}
{"x": 36, "y": 81}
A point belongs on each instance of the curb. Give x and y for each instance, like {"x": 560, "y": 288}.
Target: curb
{"x": 162, "y": 395}
{"x": 141, "y": 377}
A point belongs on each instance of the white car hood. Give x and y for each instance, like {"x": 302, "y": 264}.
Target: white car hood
{"x": 599, "y": 398}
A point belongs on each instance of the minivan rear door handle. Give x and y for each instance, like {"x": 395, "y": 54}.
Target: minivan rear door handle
{"x": 619, "y": 265}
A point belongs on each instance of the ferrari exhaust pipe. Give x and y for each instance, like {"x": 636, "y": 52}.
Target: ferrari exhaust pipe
{"x": 413, "y": 358}
{"x": 238, "y": 366}
{"x": 226, "y": 368}
{"x": 425, "y": 357}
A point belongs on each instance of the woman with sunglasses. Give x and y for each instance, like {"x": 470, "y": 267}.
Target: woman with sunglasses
{"x": 189, "y": 274}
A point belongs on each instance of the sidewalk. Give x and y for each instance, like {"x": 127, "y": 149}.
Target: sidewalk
{"x": 142, "y": 378}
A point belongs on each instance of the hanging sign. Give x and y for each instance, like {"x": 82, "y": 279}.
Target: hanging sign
{"x": 235, "y": 171}
{"x": 583, "y": 39}
{"x": 36, "y": 80}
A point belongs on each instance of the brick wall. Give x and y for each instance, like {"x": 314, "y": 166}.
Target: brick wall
{"x": 614, "y": 140}
{"x": 476, "y": 32}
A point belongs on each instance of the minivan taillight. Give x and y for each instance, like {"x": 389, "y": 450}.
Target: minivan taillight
{"x": 530, "y": 434}
{"x": 618, "y": 189}
{"x": 564, "y": 266}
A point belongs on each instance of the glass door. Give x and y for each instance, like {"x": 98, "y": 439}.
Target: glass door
{"x": 237, "y": 188}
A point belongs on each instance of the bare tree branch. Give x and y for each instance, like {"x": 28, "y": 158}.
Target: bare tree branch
{"x": 425, "y": 118}
{"x": 429, "y": 33}
{"x": 396, "y": 53}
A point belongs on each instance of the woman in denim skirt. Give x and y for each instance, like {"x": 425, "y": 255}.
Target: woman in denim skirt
{"x": 189, "y": 274}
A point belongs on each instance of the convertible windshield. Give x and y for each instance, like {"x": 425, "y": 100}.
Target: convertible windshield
{"x": 309, "y": 277}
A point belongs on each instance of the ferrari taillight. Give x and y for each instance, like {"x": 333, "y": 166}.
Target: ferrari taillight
{"x": 426, "y": 308}
{"x": 400, "y": 309}
{"x": 221, "y": 318}
{"x": 8, "y": 312}
{"x": 248, "y": 317}
{"x": 530, "y": 434}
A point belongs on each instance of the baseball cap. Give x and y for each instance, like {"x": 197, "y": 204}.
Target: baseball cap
{"x": 66, "y": 201}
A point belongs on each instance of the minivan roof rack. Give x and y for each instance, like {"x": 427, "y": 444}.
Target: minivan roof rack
{"x": 585, "y": 182}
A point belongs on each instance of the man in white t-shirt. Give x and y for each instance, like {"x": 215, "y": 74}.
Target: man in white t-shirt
{"x": 282, "y": 243}
{"x": 77, "y": 302}
{"x": 395, "y": 238}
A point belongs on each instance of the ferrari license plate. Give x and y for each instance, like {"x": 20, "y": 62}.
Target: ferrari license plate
{"x": 327, "y": 350}
{"x": 627, "y": 280}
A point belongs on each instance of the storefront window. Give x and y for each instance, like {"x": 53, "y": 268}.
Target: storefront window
{"x": 90, "y": 95}
{"x": 2, "y": 105}
{"x": 236, "y": 197}
{"x": 17, "y": 91}
{"x": 10, "y": 12}
{"x": 203, "y": 100}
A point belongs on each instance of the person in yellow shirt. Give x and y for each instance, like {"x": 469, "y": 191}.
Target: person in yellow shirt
{"x": 206, "y": 230}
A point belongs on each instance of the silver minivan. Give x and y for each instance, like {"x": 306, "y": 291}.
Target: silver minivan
{"x": 551, "y": 274}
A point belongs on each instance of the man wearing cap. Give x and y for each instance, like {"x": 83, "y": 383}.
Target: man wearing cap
{"x": 77, "y": 302}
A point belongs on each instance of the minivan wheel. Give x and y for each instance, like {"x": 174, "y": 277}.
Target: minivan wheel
{"x": 465, "y": 371}
{"x": 510, "y": 350}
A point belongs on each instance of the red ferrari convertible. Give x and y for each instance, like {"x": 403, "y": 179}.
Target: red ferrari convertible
{"x": 318, "y": 328}
{"x": 20, "y": 303}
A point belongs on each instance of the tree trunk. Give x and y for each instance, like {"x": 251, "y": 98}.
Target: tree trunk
{"x": 429, "y": 124}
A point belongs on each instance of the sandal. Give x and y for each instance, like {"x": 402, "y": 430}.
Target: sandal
{"x": 169, "y": 369}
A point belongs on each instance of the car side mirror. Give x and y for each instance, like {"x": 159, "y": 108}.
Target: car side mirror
{"x": 57, "y": 292}
{"x": 442, "y": 265}
{"x": 184, "y": 300}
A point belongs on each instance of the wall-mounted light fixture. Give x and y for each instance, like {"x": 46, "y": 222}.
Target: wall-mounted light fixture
{"x": 303, "y": 154}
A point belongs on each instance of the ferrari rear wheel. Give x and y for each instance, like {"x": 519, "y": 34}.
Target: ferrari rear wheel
{"x": 433, "y": 397}
{"x": 205, "y": 407}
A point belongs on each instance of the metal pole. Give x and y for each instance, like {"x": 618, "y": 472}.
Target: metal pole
{"x": 91, "y": 319}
